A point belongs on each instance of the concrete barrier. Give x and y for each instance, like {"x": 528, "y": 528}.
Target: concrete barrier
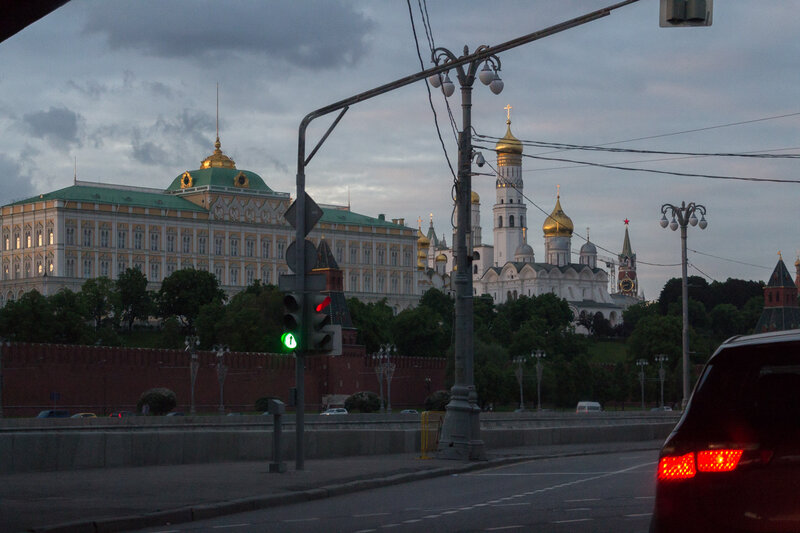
{"x": 69, "y": 450}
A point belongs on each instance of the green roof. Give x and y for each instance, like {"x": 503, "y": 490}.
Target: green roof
{"x": 108, "y": 195}
{"x": 221, "y": 177}
{"x": 342, "y": 216}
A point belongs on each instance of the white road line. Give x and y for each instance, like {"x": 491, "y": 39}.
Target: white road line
{"x": 502, "y": 528}
{"x": 367, "y": 515}
{"x": 511, "y": 504}
{"x": 292, "y": 520}
{"x": 579, "y": 509}
{"x": 572, "y": 521}
{"x": 412, "y": 521}
{"x": 583, "y": 500}
{"x": 389, "y": 526}
{"x": 230, "y": 525}
{"x": 640, "y": 515}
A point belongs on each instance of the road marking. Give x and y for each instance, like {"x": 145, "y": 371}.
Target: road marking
{"x": 502, "y": 528}
{"x": 388, "y": 526}
{"x": 367, "y": 515}
{"x": 640, "y": 515}
{"x": 571, "y": 521}
{"x": 230, "y": 525}
{"x": 511, "y": 504}
{"x": 583, "y": 500}
{"x": 579, "y": 509}
{"x": 291, "y": 520}
{"x": 412, "y": 521}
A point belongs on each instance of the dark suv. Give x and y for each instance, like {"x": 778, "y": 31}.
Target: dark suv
{"x": 733, "y": 461}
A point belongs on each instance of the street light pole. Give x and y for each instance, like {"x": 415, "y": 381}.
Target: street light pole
{"x": 682, "y": 217}
{"x": 222, "y": 371}
{"x": 661, "y": 358}
{"x": 460, "y": 438}
{"x": 192, "y": 342}
{"x": 641, "y": 363}
{"x": 2, "y": 344}
{"x": 539, "y": 355}
{"x": 519, "y": 360}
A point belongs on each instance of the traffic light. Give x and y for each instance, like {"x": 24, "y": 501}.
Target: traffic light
{"x": 675, "y": 13}
{"x": 292, "y": 320}
{"x": 320, "y": 336}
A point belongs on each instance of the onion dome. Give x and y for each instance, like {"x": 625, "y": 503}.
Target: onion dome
{"x": 588, "y": 248}
{"x": 441, "y": 258}
{"x": 558, "y": 224}
{"x": 218, "y": 159}
{"x": 422, "y": 240}
{"x": 509, "y": 149}
{"x": 475, "y": 198}
{"x": 524, "y": 252}
{"x": 423, "y": 243}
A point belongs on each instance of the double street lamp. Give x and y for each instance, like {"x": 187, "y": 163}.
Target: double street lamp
{"x": 660, "y": 358}
{"x": 222, "y": 371}
{"x": 384, "y": 369}
{"x": 539, "y": 355}
{"x": 641, "y": 363}
{"x": 682, "y": 217}
{"x": 191, "y": 343}
{"x": 460, "y": 438}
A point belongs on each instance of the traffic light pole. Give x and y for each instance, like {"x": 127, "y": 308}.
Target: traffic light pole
{"x": 482, "y": 53}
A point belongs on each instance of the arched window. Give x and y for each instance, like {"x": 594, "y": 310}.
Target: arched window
{"x": 499, "y": 222}
{"x": 511, "y": 221}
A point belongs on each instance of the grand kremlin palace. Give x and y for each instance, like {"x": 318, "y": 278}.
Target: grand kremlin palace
{"x": 218, "y": 218}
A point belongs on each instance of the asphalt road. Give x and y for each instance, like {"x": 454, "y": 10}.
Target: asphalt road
{"x": 595, "y": 493}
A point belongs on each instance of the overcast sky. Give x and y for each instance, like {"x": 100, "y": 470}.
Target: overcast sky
{"x": 129, "y": 89}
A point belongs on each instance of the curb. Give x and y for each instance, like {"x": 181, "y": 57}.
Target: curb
{"x": 204, "y": 512}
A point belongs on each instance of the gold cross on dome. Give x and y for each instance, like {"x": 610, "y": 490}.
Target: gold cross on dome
{"x": 780, "y": 256}
{"x": 508, "y": 111}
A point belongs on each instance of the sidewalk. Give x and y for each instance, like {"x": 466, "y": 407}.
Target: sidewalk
{"x": 122, "y": 499}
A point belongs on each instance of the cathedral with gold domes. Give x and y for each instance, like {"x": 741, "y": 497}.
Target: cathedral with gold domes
{"x": 507, "y": 269}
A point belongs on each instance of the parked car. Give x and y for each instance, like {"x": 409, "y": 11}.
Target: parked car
{"x": 409, "y": 412}
{"x": 53, "y": 413}
{"x": 335, "y": 411}
{"x": 174, "y": 413}
{"x": 84, "y": 415}
{"x": 588, "y": 407}
{"x": 662, "y": 408}
{"x": 731, "y": 463}
{"x": 121, "y": 414}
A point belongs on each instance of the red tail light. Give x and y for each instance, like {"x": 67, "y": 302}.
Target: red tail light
{"x": 677, "y": 468}
{"x": 718, "y": 460}
{"x": 672, "y": 468}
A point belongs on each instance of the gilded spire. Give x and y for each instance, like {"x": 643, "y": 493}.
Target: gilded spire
{"x": 558, "y": 224}
{"x": 218, "y": 159}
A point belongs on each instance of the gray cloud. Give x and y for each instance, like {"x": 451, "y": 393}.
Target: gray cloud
{"x": 310, "y": 34}
{"x": 59, "y": 126}
{"x": 16, "y": 183}
{"x": 148, "y": 153}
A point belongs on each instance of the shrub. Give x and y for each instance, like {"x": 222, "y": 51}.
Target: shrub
{"x": 159, "y": 401}
{"x": 437, "y": 401}
{"x": 364, "y": 401}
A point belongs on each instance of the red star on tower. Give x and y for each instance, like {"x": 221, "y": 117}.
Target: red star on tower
{"x": 626, "y": 221}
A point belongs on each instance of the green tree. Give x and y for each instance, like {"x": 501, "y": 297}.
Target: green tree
{"x": 135, "y": 302}
{"x": 184, "y": 292}
{"x": 373, "y": 321}
{"x": 726, "y": 321}
{"x": 100, "y": 298}
{"x": 420, "y": 331}
{"x": 28, "y": 319}
{"x": 70, "y": 323}
{"x": 656, "y": 335}
{"x": 493, "y": 375}
{"x": 251, "y": 321}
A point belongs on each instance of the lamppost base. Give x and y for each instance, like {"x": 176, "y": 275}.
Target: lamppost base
{"x": 460, "y": 439}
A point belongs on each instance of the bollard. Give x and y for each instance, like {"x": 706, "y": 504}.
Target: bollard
{"x": 276, "y": 408}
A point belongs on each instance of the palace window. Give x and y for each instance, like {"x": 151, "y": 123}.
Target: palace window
{"x": 104, "y": 268}
{"x": 249, "y": 247}
{"x": 218, "y": 244}
{"x": 138, "y": 240}
{"x": 122, "y": 238}
{"x": 154, "y": 242}
{"x": 69, "y": 235}
{"x": 393, "y": 257}
{"x": 201, "y": 244}
{"x": 104, "y": 238}
{"x": 170, "y": 242}
{"x": 187, "y": 244}
{"x": 87, "y": 268}
{"x": 353, "y": 255}
{"x": 353, "y": 282}
{"x": 367, "y": 283}
{"x": 249, "y": 274}
{"x": 69, "y": 267}
{"x": 87, "y": 237}
{"x": 121, "y": 267}
{"x": 367, "y": 256}
{"x": 234, "y": 246}
{"x": 281, "y": 246}
{"x": 265, "y": 248}
{"x": 154, "y": 271}
{"x": 219, "y": 273}
{"x": 511, "y": 221}
{"x": 381, "y": 256}
{"x": 39, "y": 238}
{"x": 234, "y": 275}
{"x": 50, "y": 236}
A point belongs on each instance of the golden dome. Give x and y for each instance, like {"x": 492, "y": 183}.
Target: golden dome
{"x": 509, "y": 149}
{"x": 422, "y": 240}
{"x": 218, "y": 159}
{"x": 475, "y": 198}
{"x": 441, "y": 258}
{"x": 558, "y": 224}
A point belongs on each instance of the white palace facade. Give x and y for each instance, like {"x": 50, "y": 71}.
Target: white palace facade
{"x": 217, "y": 218}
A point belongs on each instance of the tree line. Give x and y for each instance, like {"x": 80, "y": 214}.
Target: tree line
{"x": 124, "y": 312}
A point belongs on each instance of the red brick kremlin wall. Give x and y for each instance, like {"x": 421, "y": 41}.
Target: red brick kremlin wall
{"x": 104, "y": 379}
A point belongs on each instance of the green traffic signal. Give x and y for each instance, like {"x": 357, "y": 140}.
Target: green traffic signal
{"x": 288, "y": 340}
